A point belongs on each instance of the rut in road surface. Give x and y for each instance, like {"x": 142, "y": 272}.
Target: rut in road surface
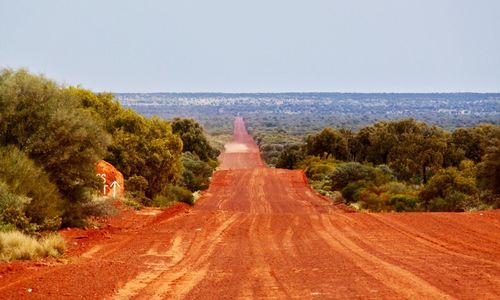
{"x": 259, "y": 232}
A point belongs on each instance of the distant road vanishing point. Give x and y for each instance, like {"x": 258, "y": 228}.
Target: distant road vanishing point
{"x": 263, "y": 233}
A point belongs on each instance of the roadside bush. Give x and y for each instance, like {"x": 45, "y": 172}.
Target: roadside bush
{"x": 489, "y": 199}
{"x": 196, "y": 173}
{"x": 290, "y": 157}
{"x": 351, "y": 191}
{"x": 453, "y": 201}
{"x": 316, "y": 168}
{"x": 137, "y": 184}
{"x": 181, "y": 194}
{"x": 44, "y": 120}
{"x": 193, "y": 139}
{"x": 176, "y": 193}
{"x": 370, "y": 199}
{"x": 15, "y": 245}
{"x": 328, "y": 142}
{"x": 100, "y": 207}
{"x": 131, "y": 201}
{"x": 395, "y": 187}
{"x": 489, "y": 169}
{"x": 383, "y": 174}
{"x": 346, "y": 173}
{"x": 12, "y": 209}
{"x": 52, "y": 245}
{"x": 43, "y": 204}
{"x": 162, "y": 201}
{"x": 402, "y": 203}
{"x": 449, "y": 190}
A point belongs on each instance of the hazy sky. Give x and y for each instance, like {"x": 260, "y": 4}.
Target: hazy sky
{"x": 257, "y": 45}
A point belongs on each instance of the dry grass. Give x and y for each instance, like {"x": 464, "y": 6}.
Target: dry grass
{"x": 15, "y": 245}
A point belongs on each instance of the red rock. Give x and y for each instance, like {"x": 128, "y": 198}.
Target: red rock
{"x": 112, "y": 179}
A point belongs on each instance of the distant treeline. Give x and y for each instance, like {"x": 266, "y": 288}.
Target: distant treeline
{"x": 302, "y": 113}
{"x": 52, "y": 136}
{"x": 403, "y": 165}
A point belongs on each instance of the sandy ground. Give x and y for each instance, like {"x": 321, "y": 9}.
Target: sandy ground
{"x": 263, "y": 233}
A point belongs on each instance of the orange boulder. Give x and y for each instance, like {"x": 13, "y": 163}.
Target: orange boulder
{"x": 113, "y": 183}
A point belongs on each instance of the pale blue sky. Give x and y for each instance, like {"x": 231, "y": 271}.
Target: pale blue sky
{"x": 257, "y": 45}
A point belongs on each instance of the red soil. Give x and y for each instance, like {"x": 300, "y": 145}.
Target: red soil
{"x": 263, "y": 233}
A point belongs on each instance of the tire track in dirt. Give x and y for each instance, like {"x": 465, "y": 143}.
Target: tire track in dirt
{"x": 177, "y": 279}
{"x": 435, "y": 244}
{"x": 405, "y": 283}
{"x": 450, "y": 270}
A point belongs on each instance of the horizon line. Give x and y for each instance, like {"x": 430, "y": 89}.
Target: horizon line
{"x": 297, "y": 92}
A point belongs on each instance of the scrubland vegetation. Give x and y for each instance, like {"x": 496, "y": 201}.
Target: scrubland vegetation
{"x": 52, "y": 136}
{"x": 402, "y": 165}
{"x": 15, "y": 245}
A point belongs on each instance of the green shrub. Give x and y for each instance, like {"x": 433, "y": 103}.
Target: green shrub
{"x": 350, "y": 193}
{"x": 45, "y": 121}
{"x": 162, "y": 201}
{"x": 489, "y": 168}
{"x": 290, "y": 157}
{"x": 180, "y": 194}
{"x": 23, "y": 177}
{"x": 351, "y": 172}
{"x": 369, "y": 199}
{"x": 12, "y": 210}
{"x": 131, "y": 201}
{"x": 330, "y": 142}
{"x": 196, "y": 173}
{"x": 383, "y": 174}
{"x": 490, "y": 199}
{"x": 172, "y": 194}
{"x": 402, "y": 203}
{"x": 453, "y": 201}
{"x": 193, "y": 139}
{"x": 395, "y": 187}
{"x": 135, "y": 195}
{"x": 449, "y": 190}
{"x": 316, "y": 168}
{"x": 137, "y": 184}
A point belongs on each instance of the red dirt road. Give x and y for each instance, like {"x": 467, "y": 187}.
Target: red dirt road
{"x": 263, "y": 233}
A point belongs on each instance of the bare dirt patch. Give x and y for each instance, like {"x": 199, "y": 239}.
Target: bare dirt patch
{"x": 236, "y": 148}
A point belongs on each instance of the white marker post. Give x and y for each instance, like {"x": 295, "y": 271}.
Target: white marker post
{"x": 114, "y": 184}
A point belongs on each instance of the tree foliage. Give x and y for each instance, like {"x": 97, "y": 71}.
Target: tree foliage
{"x": 51, "y": 137}
{"x": 412, "y": 149}
{"x": 346, "y": 173}
{"x": 140, "y": 146}
{"x": 290, "y": 157}
{"x": 489, "y": 169}
{"x": 448, "y": 190}
{"x": 44, "y": 121}
{"x": 196, "y": 172}
{"x": 411, "y": 152}
{"x": 193, "y": 139}
{"x": 329, "y": 142}
{"x": 25, "y": 179}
